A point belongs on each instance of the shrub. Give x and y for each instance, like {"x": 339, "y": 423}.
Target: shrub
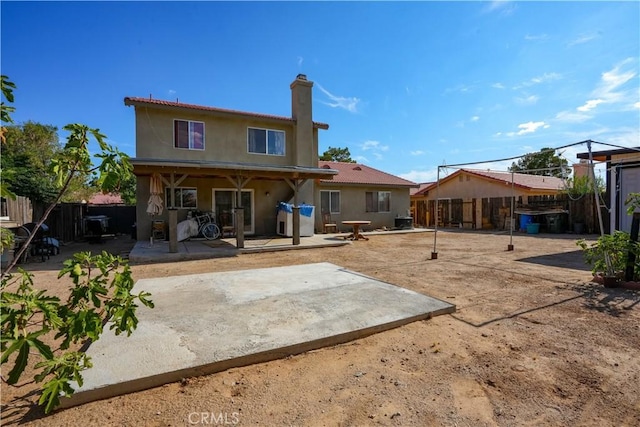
{"x": 608, "y": 255}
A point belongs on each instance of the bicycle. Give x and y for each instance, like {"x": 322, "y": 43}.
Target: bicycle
{"x": 207, "y": 226}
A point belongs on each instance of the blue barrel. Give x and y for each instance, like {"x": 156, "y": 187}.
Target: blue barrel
{"x": 525, "y": 220}
{"x": 533, "y": 228}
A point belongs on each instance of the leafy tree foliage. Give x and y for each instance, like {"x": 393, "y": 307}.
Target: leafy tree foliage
{"x": 5, "y": 116}
{"x": 27, "y": 153}
{"x": 633, "y": 203}
{"x": 337, "y": 155}
{"x": 101, "y": 293}
{"x": 7, "y": 92}
{"x": 545, "y": 162}
{"x": 102, "y": 283}
{"x": 128, "y": 190}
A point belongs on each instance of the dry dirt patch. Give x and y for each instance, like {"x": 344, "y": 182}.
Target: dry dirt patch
{"x": 533, "y": 343}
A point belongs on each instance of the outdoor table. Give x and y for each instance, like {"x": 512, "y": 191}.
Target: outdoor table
{"x": 356, "y": 235}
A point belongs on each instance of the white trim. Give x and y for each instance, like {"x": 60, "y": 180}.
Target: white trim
{"x": 267, "y": 130}
{"x": 189, "y": 122}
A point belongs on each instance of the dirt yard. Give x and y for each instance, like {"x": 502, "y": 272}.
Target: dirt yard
{"x": 532, "y": 343}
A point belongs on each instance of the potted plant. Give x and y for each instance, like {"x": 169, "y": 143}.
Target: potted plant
{"x": 608, "y": 257}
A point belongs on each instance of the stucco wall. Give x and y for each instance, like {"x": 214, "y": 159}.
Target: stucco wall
{"x": 266, "y": 195}
{"x": 225, "y": 139}
{"x": 353, "y": 206}
{"x": 472, "y": 187}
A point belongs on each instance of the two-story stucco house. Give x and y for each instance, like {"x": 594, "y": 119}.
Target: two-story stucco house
{"x": 240, "y": 165}
{"x": 225, "y": 161}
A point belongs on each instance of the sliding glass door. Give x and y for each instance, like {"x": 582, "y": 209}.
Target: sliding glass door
{"x": 224, "y": 202}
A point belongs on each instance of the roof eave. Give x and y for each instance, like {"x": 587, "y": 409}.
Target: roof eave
{"x": 221, "y": 112}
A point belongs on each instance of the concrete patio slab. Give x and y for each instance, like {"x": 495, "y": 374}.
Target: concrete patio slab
{"x": 207, "y": 323}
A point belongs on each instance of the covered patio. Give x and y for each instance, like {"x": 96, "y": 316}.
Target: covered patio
{"x": 239, "y": 175}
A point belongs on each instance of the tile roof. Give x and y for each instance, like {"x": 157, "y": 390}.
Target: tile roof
{"x": 149, "y": 101}
{"x": 521, "y": 180}
{"x": 355, "y": 173}
{"x": 524, "y": 180}
{"x": 419, "y": 191}
{"x": 105, "y": 199}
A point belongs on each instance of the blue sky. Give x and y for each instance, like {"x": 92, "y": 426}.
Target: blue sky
{"x": 405, "y": 86}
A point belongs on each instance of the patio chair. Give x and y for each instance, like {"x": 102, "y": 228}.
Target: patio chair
{"x": 226, "y": 225}
{"x": 157, "y": 230}
{"x": 327, "y": 224}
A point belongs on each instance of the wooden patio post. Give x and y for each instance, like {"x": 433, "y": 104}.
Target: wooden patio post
{"x": 173, "y": 230}
{"x": 239, "y": 227}
{"x": 296, "y": 225}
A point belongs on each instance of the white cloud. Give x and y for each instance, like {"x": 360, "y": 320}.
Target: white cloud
{"x": 417, "y": 153}
{"x": 373, "y": 145}
{"x": 462, "y": 88}
{"x": 503, "y": 7}
{"x": 582, "y": 38}
{"x": 590, "y": 105}
{"x": 361, "y": 159}
{"x": 572, "y": 117}
{"x": 546, "y": 77}
{"x": 612, "y": 80}
{"x": 637, "y": 105}
{"x": 347, "y": 103}
{"x": 529, "y": 100}
{"x": 529, "y": 127}
{"x": 536, "y": 37}
{"x": 420, "y": 176}
{"x": 171, "y": 92}
{"x": 498, "y": 86}
{"x": 300, "y": 61}
{"x": 475, "y": 118}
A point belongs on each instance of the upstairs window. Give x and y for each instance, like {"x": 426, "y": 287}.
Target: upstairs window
{"x": 188, "y": 134}
{"x": 265, "y": 141}
{"x": 378, "y": 201}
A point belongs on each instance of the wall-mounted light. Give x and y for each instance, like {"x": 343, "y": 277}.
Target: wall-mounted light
{"x": 266, "y": 193}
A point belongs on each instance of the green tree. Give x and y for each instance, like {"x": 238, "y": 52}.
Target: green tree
{"x": 337, "y": 155}
{"x": 27, "y": 152}
{"x": 7, "y": 92}
{"x": 101, "y": 292}
{"x": 5, "y": 116}
{"x": 128, "y": 190}
{"x": 632, "y": 202}
{"x": 545, "y": 162}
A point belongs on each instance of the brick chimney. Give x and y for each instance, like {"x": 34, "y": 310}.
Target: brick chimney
{"x": 305, "y": 153}
{"x": 582, "y": 169}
